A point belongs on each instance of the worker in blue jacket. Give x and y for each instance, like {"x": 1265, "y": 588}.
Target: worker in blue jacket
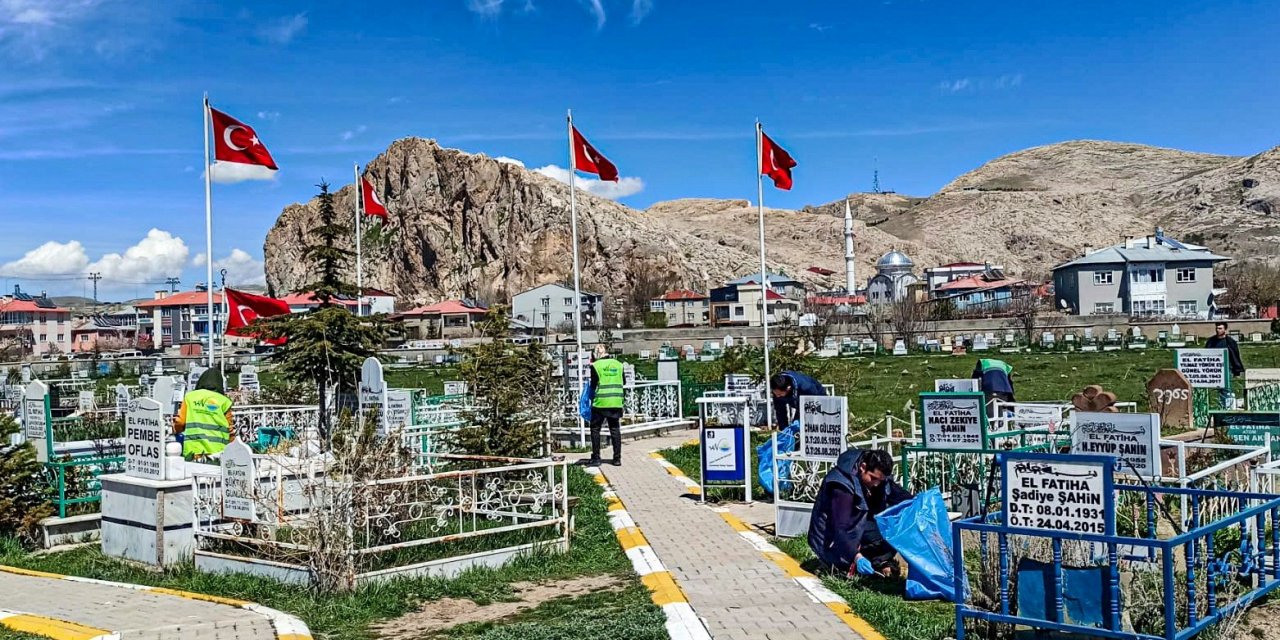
{"x": 787, "y": 388}
{"x": 842, "y": 527}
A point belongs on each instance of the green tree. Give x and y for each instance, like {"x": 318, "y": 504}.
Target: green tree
{"x": 326, "y": 346}
{"x": 514, "y": 391}
{"x": 24, "y": 493}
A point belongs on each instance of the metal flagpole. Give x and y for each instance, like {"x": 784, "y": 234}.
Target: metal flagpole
{"x": 577, "y": 274}
{"x": 359, "y": 267}
{"x": 208, "y": 230}
{"x": 764, "y": 275}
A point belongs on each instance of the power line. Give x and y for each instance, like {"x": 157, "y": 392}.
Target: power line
{"x": 173, "y": 284}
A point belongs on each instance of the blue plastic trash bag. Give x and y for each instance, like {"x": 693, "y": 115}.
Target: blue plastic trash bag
{"x": 584, "y": 402}
{"x": 921, "y": 532}
{"x": 764, "y": 455}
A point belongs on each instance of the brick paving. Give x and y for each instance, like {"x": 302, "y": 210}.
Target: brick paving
{"x": 134, "y": 614}
{"x": 736, "y": 591}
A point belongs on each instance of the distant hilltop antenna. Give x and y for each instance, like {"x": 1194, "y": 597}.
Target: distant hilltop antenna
{"x": 875, "y": 176}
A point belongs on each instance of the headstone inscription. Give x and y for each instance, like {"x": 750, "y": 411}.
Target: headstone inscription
{"x": 238, "y": 482}
{"x": 35, "y": 418}
{"x": 1059, "y": 492}
{"x": 1248, "y": 427}
{"x": 373, "y": 391}
{"x": 1169, "y": 395}
{"x": 955, "y": 384}
{"x": 953, "y": 420}
{"x": 824, "y": 424}
{"x": 1204, "y": 368}
{"x": 144, "y": 434}
{"x": 1133, "y": 438}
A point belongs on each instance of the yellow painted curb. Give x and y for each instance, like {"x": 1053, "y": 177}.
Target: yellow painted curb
{"x": 191, "y": 595}
{"x": 630, "y": 538}
{"x": 737, "y": 524}
{"x": 294, "y": 636}
{"x": 30, "y": 572}
{"x": 655, "y": 455}
{"x": 859, "y": 625}
{"x": 788, "y": 564}
{"x": 663, "y": 588}
{"x": 675, "y": 471}
{"x": 51, "y": 627}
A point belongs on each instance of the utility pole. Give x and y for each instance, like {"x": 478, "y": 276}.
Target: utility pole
{"x": 173, "y": 284}
{"x": 875, "y": 177}
{"x": 95, "y": 277}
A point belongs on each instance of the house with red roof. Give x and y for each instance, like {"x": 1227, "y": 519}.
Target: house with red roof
{"x": 682, "y": 308}
{"x": 987, "y": 293}
{"x": 181, "y": 317}
{"x": 34, "y": 323}
{"x": 942, "y": 274}
{"x": 443, "y": 320}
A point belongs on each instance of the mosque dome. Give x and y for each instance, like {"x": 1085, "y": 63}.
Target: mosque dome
{"x": 895, "y": 260}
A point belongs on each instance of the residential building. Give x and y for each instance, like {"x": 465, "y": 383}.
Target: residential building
{"x": 894, "y": 276}
{"x": 182, "y": 317}
{"x": 35, "y": 323}
{"x": 442, "y": 320}
{"x": 989, "y": 292}
{"x": 739, "y": 305}
{"x": 1152, "y": 276}
{"x": 834, "y": 303}
{"x": 782, "y": 283}
{"x": 550, "y": 307}
{"x": 940, "y": 275}
{"x": 105, "y": 333}
{"x": 682, "y": 308}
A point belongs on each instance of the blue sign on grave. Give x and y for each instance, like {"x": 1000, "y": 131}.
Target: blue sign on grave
{"x": 724, "y": 452}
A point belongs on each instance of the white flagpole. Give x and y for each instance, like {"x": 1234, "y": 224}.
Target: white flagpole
{"x": 359, "y": 267}
{"x": 577, "y": 274}
{"x": 764, "y": 275}
{"x": 208, "y": 229}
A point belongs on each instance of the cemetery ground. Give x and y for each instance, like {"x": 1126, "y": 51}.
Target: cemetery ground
{"x": 588, "y": 592}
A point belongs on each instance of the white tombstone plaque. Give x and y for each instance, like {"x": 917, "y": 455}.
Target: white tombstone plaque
{"x": 1204, "y": 368}
{"x": 824, "y": 424}
{"x": 955, "y": 384}
{"x": 399, "y": 409}
{"x": 250, "y": 386}
{"x": 35, "y": 418}
{"x": 1133, "y": 438}
{"x": 459, "y": 387}
{"x": 86, "y": 402}
{"x": 166, "y": 393}
{"x": 238, "y": 482}
{"x": 193, "y": 375}
{"x": 373, "y": 391}
{"x": 122, "y": 399}
{"x": 144, "y": 434}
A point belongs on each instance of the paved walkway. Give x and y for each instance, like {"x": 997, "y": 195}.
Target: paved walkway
{"x": 100, "y": 609}
{"x": 733, "y": 588}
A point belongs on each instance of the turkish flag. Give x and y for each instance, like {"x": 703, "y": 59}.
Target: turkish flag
{"x": 243, "y": 308}
{"x": 372, "y": 205}
{"x": 775, "y": 162}
{"x": 235, "y": 141}
{"x": 588, "y": 160}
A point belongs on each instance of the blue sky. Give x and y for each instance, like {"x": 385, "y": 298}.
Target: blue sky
{"x": 100, "y": 101}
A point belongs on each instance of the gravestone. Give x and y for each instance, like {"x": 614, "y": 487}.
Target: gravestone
{"x": 86, "y": 401}
{"x": 238, "y": 482}
{"x": 1094, "y": 398}
{"x": 1169, "y": 396}
{"x": 250, "y": 385}
{"x": 373, "y": 391}
{"x": 899, "y": 348}
{"x": 122, "y": 399}
{"x": 166, "y": 393}
{"x": 399, "y": 408}
{"x": 144, "y": 432}
{"x": 1133, "y": 438}
{"x": 668, "y": 370}
{"x": 1204, "y": 368}
{"x": 26, "y": 373}
{"x": 459, "y": 387}
{"x": 955, "y": 384}
{"x": 728, "y": 342}
{"x": 193, "y": 375}
{"x": 953, "y": 420}
{"x": 824, "y": 425}
{"x": 35, "y": 418}
{"x": 979, "y": 343}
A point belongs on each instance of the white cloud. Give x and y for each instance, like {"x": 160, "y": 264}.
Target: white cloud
{"x": 232, "y": 172}
{"x": 50, "y": 258}
{"x": 819, "y": 27}
{"x": 596, "y": 7}
{"x": 485, "y": 8}
{"x": 283, "y": 30}
{"x": 612, "y": 190}
{"x": 32, "y": 30}
{"x": 242, "y": 269}
{"x": 999, "y": 83}
{"x": 351, "y": 133}
{"x": 269, "y": 115}
{"x": 640, "y": 9}
{"x": 506, "y": 160}
{"x": 954, "y": 86}
{"x": 157, "y": 256}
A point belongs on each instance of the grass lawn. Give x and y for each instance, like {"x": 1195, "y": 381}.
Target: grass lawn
{"x": 879, "y": 601}
{"x": 594, "y": 551}
{"x": 878, "y": 384}
{"x": 9, "y": 634}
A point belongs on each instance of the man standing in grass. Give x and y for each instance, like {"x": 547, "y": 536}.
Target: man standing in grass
{"x": 842, "y": 528}
{"x": 1221, "y": 340}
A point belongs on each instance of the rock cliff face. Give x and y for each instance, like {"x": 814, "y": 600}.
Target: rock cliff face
{"x": 466, "y": 225}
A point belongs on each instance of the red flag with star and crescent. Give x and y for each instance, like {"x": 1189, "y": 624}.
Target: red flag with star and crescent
{"x": 775, "y": 162}
{"x": 235, "y": 141}
{"x": 372, "y": 205}
{"x": 243, "y": 308}
{"x": 588, "y": 160}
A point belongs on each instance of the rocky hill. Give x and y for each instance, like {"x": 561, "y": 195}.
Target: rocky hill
{"x": 467, "y": 225}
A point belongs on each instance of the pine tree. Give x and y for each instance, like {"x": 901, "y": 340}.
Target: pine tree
{"x": 326, "y": 346}
{"x": 24, "y": 493}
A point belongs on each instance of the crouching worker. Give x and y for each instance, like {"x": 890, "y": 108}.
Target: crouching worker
{"x": 204, "y": 418}
{"x": 842, "y": 528}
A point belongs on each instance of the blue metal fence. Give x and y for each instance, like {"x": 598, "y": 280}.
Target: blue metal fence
{"x": 1204, "y": 574}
